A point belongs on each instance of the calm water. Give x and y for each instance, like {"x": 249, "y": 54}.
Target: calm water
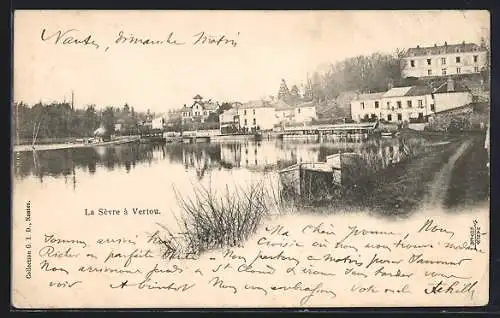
{"x": 148, "y": 174}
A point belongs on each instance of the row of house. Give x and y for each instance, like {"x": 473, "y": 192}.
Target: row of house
{"x": 411, "y": 103}
{"x": 265, "y": 115}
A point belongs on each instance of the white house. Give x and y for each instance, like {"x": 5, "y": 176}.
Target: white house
{"x": 444, "y": 60}
{"x": 451, "y": 95}
{"x": 229, "y": 121}
{"x": 157, "y": 123}
{"x": 199, "y": 110}
{"x": 305, "y": 112}
{"x": 302, "y": 113}
{"x": 255, "y": 115}
{"x": 398, "y": 104}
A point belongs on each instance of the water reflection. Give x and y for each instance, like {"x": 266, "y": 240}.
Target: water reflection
{"x": 62, "y": 163}
{"x": 251, "y": 155}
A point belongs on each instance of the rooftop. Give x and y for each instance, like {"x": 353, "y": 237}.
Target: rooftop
{"x": 255, "y": 104}
{"x": 457, "y": 87}
{"x": 370, "y": 96}
{"x": 281, "y": 105}
{"x": 444, "y": 49}
{"x": 306, "y": 104}
{"x": 397, "y": 91}
{"x": 417, "y": 90}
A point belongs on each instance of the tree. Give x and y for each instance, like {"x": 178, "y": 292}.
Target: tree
{"x": 108, "y": 120}
{"x": 223, "y": 107}
{"x": 283, "y": 92}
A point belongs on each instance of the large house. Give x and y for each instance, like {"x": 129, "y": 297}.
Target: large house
{"x": 199, "y": 110}
{"x": 411, "y": 103}
{"x": 256, "y": 115}
{"x": 444, "y": 60}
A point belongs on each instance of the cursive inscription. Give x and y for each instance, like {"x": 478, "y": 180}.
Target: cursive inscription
{"x": 310, "y": 264}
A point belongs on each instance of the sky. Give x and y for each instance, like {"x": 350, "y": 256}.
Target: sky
{"x": 267, "y": 46}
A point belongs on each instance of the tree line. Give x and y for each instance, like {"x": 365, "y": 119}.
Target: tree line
{"x": 332, "y": 88}
{"x": 61, "y": 120}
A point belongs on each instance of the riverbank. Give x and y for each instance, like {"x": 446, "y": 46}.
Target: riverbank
{"x": 439, "y": 178}
{"x": 121, "y": 140}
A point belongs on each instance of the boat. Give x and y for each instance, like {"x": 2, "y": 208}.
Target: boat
{"x": 152, "y": 137}
{"x": 322, "y": 180}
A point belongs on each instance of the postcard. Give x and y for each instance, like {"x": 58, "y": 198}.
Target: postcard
{"x": 234, "y": 159}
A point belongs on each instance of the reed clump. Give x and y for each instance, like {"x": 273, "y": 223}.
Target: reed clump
{"x": 212, "y": 220}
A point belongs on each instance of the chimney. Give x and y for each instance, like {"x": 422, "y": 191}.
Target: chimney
{"x": 418, "y": 46}
{"x": 450, "y": 85}
{"x": 435, "y": 45}
{"x": 445, "y": 43}
{"x": 463, "y": 42}
{"x": 390, "y": 85}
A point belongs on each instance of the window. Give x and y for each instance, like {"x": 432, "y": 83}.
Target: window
{"x": 245, "y": 112}
{"x": 254, "y": 121}
{"x": 298, "y": 110}
{"x": 245, "y": 121}
{"x": 376, "y": 104}
{"x": 443, "y": 60}
{"x": 388, "y": 105}
{"x": 412, "y": 63}
{"x": 362, "y": 105}
{"x": 254, "y": 111}
{"x": 476, "y": 69}
{"x": 398, "y": 103}
{"x": 420, "y": 115}
{"x": 475, "y": 58}
{"x": 457, "y": 59}
{"x": 408, "y": 103}
{"x": 433, "y": 108}
{"x": 443, "y": 71}
{"x": 420, "y": 103}
{"x": 429, "y": 72}
{"x": 400, "y": 117}
{"x": 459, "y": 70}
{"x": 428, "y": 61}
{"x": 389, "y": 117}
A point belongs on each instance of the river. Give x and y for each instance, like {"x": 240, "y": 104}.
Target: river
{"x": 151, "y": 175}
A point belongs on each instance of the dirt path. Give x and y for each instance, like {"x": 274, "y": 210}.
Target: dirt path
{"x": 438, "y": 188}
